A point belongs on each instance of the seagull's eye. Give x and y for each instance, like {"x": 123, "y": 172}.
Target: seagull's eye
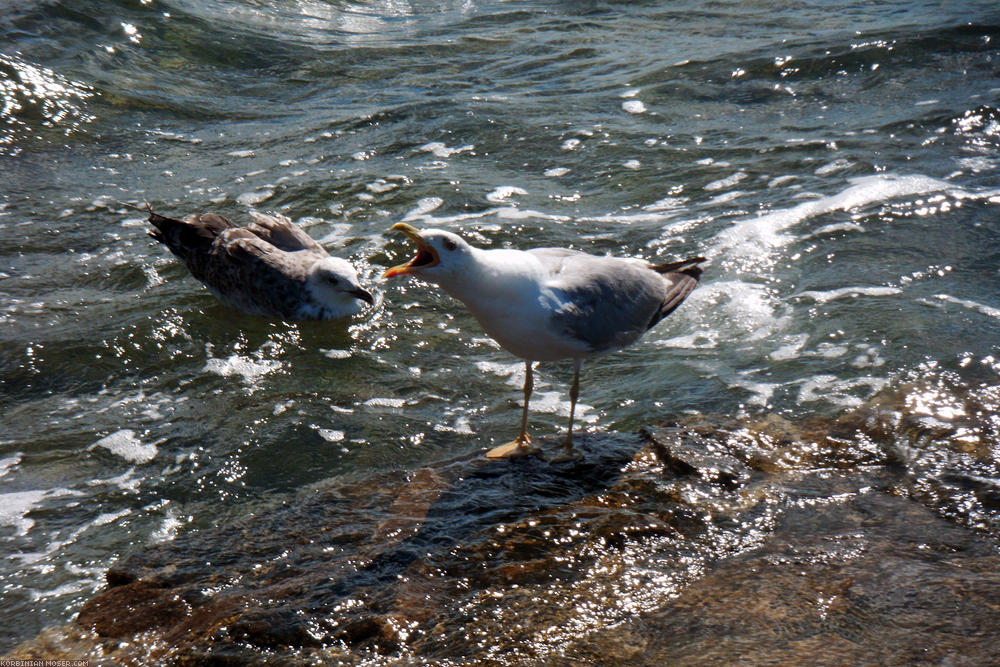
{"x": 331, "y": 280}
{"x": 449, "y": 244}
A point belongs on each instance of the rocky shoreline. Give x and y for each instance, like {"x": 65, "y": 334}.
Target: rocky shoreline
{"x": 766, "y": 542}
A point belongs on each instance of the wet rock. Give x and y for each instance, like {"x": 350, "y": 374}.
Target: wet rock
{"x": 687, "y": 453}
{"x": 131, "y": 608}
{"x": 707, "y": 542}
{"x": 271, "y": 628}
{"x": 876, "y": 580}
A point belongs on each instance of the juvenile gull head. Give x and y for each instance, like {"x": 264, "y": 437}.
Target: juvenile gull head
{"x": 550, "y": 303}
{"x": 333, "y": 282}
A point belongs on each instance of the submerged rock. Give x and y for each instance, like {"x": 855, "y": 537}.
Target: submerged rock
{"x": 700, "y": 543}
{"x": 875, "y": 580}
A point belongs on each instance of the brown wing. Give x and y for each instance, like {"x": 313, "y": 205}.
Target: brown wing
{"x": 282, "y": 233}
{"x": 194, "y": 234}
{"x": 248, "y": 273}
{"x": 247, "y": 268}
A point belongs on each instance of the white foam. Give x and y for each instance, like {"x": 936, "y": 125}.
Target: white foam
{"x": 127, "y": 481}
{"x": 108, "y": 517}
{"x": 14, "y": 507}
{"x": 514, "y": 372}
{"x": 870, "y": 357}
{"x": 385, "y": 402}
{"x": 726, "y": 197}
{"x": 555, "y": 172}
{"x": 834, "y": 294}
{"x": 755, "y": 237}
{"x": 462, "y": 426}
{"x": 633, "y": 106}
{"x": 666, "y": 204}
{"x": 125, "y": 444}
{"x": 504, "y": 192}
{"x": 739, "y": 310}
{"x": 634, "y": 218}
{"x": 555, "y": 402}
{"x": 833, "y": 167}
{"x": 836, "y": 228}
{"x": 380, "y": 186}
{"x": 699, "y": 340}
{"x": 64, "y": 589}
{"x": 246, "y": 368}
{"x": 503, "y": 212}
{"x": 339, "y": 234}
{"x": 792, "y": 349}
{"x": 761, "y": 393}
{"x": 7, "y": 463}
{"x": 423, "y": 207}
{"x": 168, "y": 529}
{"x": 514, "y": 213}
{"x": 442, "y": 151}
{"x": 971, "y": 305}
{"x": 726, "y": 182}
{"x": 255, "y": 197}
{"x": 842, "y": 393}
{"x": 331, "y": 435}
{"x": 780, "y": 180}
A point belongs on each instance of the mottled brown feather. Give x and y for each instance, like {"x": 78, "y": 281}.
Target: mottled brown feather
{"x": 260, "y": 269}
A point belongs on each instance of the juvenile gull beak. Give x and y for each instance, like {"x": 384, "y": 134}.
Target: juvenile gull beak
{"x": 426, "y": 255}
{"x": 363, "y": 295}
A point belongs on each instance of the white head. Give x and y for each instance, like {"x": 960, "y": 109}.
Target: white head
{"x": 334, "y": 283}
{"x": 442, "y": 257}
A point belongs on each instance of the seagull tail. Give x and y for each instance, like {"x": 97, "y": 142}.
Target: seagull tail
{"x": 683, "y": 277}
{"x": 193, "y": 234}
{"x": 689, "y": 267}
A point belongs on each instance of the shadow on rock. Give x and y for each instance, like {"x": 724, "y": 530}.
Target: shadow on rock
{"x": 872, "y": 537}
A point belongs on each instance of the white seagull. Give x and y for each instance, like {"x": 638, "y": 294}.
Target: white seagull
{"x": 270, "y": 267}
{"x": 550, "y": 303}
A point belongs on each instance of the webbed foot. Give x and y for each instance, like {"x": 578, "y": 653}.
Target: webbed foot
{"x": 564, "y": 452}
{"x": 521, "y": 446}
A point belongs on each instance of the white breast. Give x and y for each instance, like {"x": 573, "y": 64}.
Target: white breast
{"x": 506, "y": 293}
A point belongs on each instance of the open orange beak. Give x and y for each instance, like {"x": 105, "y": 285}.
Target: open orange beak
{"x": 426, "y": 255}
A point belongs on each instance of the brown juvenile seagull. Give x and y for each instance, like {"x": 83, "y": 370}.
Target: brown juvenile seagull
{"x": 550, "y": 303}
{"x": 270, "y": 267}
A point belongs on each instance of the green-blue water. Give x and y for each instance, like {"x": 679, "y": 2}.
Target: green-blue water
{"x": 837, "y": 164}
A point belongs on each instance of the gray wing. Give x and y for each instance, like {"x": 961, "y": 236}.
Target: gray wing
{"x": 248, "y": 273}
{"x": 607, "y": 302}
{"x": 282, "y": 233}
